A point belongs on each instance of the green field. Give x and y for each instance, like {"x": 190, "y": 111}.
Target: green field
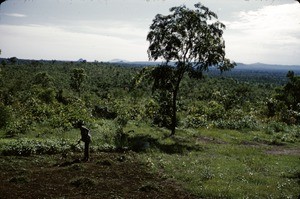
{"x": 234, "y": 138}
{"x": 230, "y": 164}
{"x": 209, "y": 163}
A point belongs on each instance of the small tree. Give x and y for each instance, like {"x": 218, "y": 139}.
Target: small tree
{"x": 43, "y": 79}
{"x": 192, "y": 39}
{"x": 5, "y": 116}
{"x": 292, "y": 91}
{"x": 285, "y": 104}
{"x": 77, "y": 80}
{"x": 13, "y": 60}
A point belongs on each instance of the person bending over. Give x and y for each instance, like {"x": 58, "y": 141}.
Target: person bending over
{"x": 86, "y": 138}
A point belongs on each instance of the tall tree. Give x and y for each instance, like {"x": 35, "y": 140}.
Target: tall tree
{"x": 77, "y": 80}
{"x": 13, "y": 60}
{"x": 291, "y": 92}
{"x": 192, "y": 39}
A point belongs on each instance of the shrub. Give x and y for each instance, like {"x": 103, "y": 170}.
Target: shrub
{"x": 195, "y": 121}
{"x": 282, "y": 132}
{"x": 215, "y": 110}
{"x": 17, "y": 127}
{"x": 43, "y": 79}
{"x": 47, "y": 95}
{"x": 246, "y": 122}
{"x": 152, "y": 108}
{"x": 290, "y": 116}
{"x": 121, "y": 139}
{"x": 27, "y": 147}
{"x": 275, "y": 127}
{"x": 121, "y": 120}
{"x": 5, "y": 116}
{"x": 104, "y": 112}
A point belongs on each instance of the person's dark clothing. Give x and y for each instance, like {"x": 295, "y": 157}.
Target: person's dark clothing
{"x": 86, "y": 138}
{"x": 86, "y": 151}
{"x": 85, "y": 134}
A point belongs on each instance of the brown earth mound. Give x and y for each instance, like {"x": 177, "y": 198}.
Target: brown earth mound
{"x": 106, "y": 175}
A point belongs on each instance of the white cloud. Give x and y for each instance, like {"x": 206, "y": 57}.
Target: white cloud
{"x": 271, "y": 33}
{"x": 107, "y": 30}
{"x": 118, "y": 29}
{"x": 45, "y": 42}
{"x": 15, "y": 15}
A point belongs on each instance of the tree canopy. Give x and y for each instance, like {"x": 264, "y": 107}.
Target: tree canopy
{"x": 192, "y": 39}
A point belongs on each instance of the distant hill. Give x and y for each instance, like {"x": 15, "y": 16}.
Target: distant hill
{"x": 118, "y": 61}
{"x": 240, "y": 66}
{"x": 264, "y": 67}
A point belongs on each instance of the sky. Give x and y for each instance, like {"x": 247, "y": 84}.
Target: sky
{"x": 265, "y": 31}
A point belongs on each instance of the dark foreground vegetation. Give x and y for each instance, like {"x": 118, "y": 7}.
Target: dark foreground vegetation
{"x": 237, "y": 134}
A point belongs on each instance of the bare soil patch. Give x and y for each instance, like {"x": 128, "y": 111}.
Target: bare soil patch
{"x": 106, "y": 175}
{"x": 284, "y": 151}
{"x": 205, "y": 139}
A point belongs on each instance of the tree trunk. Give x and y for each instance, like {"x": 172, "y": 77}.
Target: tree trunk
{"x": 174, "y": 110}
{"x": 181, "y": 72}
{"x": 174, "y": 105}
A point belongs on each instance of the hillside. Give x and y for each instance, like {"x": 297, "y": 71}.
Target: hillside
{"x": 236, "y": 132}
{"x": 240, "y": 66}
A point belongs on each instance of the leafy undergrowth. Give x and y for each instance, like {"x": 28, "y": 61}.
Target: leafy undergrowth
{"x": 106, "y": 175}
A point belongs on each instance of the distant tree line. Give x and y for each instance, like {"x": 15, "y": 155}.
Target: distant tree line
{"x": 48, "y": 95}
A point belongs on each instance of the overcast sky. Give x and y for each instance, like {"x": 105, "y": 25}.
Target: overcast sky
{"x": 266, "y": 31}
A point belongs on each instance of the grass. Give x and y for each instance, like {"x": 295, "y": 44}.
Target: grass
{"x": 44, "y": 140}
{"x": 208, "y": 162}
{"x": 231, "y": 165}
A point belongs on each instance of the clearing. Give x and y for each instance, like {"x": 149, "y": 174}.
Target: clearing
{"x": 106, "y": 175}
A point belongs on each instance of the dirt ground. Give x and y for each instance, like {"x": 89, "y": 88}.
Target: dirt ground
{"x": 106, "y": 175}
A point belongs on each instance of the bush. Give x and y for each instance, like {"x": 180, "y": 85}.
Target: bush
{"x": 290, "y": 116}
{"x": 283, "y": 132}
{"x": 215, "y": 110}
{"x": 27, "y": 147}
{"x": 47, "y": 95}
{"x": 246, "y": 122}
{"x": 17, "y": 127}
{"x": 195, "y": 121}
{"x": 43, "y": 79}
{"x": 121, "y": 139}
{"x": 275, "y": 127}
{"x": 104, "y": 112}
{"x": 5, "y": 116}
